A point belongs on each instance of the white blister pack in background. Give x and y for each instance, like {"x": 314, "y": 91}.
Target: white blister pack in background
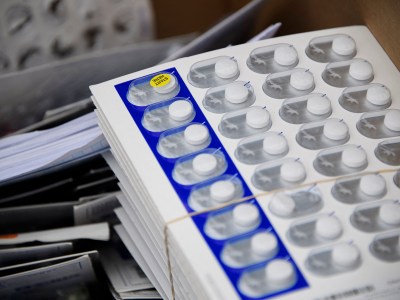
{"x": 272, "y": 166}
{"x": 34, "y": 33}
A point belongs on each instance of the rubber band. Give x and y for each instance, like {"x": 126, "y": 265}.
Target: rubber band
{"x": 244, "y": 199}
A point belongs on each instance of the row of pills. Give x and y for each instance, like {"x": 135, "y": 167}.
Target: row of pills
{"x": 199, "y": 166}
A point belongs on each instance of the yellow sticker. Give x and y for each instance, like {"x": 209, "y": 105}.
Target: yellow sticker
{"x": 160, "y": 80}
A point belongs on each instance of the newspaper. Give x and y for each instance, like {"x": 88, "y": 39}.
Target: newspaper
{"x": 12, "y": 256}
{"x": 73, "y": 275}
{"x": 96, "y": 210}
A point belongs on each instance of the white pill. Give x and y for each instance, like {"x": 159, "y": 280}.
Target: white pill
{"x": 204, "y": 164}
{"x": 345, "y": 255}
{"x": 275, "y": 144}
{"x": 246, "y": 215}
{"x": 390, "y": 213}
{"x": 264, "y": 244}
{"x": 257, "y": 117}
{"x": 343, "y": 45}
{"x": 354, "y": 157}
{"x": 196, "y": 134}
{"x": 302, "y": 80}
{"x": 372, "y": 184}
{"x": 335, "y": 130}
{"x": 328, "y": 227}
{"x": 378, "y": 95}
{"x": 293, "y": 171}
{"x": 180, "y": 110}
{"x": 318, "y": 105}
{"x": 279, "y": 272}
{"x": 236, "y": 93}
{"x": 392, "y": 120}
{"x": 226, "y": 68}
{"x": 282, "y": 205}
{"x": 222, "y": 191}
{"x": 285, "y": 55}
{"x": 167, "y": 88}
{"x": 361, "y": 70}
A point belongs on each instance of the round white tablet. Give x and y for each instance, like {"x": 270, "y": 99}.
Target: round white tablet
{"x": 167, "y": 88}
{"x": 378, "y": 95}
{"x": 390, "y": 213}
{"x": 392, "y": 120}
{"x": 354, "y": 157}
{"x": 246, "y": 215}
{"x": 275, "y": 144}
{"x": 361, "y": 70}
{"x": 236, "y": 92}
{"x": 204, "y": 164}
{"x": 301, "y": 80}
{"x": 285, "y": 55}
{"x": 180, "y": 110}
{"x": 335, "y": 129}
{"x": 343, "y": 45}
{"x": 372, "y": 184}
{"x": 328, "y": 227}
{"x": 345, "y": 255}
{"x": 282, "y": 205}
{"x": 293, "y": 171}
{"x": 257, "y": 117}
{"x": 222, "y": 191}
{"x": 279, "y": 272}
{"x": 318, "y": 105}
{"x": 226, "y": 68}
{"x": 264, "y": 244}
{"x": 196, "y": 134}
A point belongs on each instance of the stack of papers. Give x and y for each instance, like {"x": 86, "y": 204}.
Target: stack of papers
{"x": 57, "y": 201}
{"x": 35, "y": 151}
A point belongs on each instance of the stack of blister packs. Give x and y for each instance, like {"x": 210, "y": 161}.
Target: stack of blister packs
{"x": 263, "y": 170}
